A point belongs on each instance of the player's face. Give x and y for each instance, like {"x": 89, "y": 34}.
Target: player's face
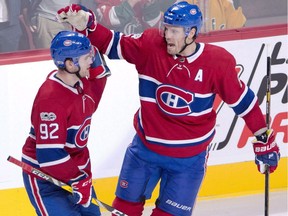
{"x": 175, "y": 38}
{"x": 85, "y": 62}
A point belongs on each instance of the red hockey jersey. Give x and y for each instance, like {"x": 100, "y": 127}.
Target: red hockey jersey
{"x": 61, "y": 117}
{"x": 176, "y": 117}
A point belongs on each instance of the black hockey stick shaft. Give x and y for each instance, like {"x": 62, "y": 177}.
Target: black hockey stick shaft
{"x": 268, "y": 104}
{"x": 32, "y": 170}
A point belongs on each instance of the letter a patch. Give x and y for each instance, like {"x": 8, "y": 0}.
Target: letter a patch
{"x": 199, "y": 76}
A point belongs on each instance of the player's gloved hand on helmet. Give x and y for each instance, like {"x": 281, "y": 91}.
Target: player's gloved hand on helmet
{"x": 82, "y": 191}
{"x": 99, "y": 68}
{"x": 266, "y": 151}
{"x": 81, "y": 18}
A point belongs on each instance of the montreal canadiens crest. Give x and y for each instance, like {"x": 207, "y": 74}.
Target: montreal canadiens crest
{"x": 82, "y": 134}
{"x": 173, "y": 100}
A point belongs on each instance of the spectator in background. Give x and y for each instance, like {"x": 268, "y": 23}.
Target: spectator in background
{"x": 129, "y": 16}
{"x": 40, "y": 16}
{"x": 220, "y": 14}
{"x": 10, "y": 30}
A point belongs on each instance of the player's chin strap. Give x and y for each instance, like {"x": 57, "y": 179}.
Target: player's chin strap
{"x": 186, "y": 45}
{"x": 77, "y": 73}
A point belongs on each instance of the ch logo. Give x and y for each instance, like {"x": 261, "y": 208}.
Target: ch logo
{"x": 173, "y": 100}
{"x": 82, "y": 134}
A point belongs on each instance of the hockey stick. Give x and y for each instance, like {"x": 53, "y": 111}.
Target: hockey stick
{"x": 32, "y": 170}
{"x": 268, "y": 102}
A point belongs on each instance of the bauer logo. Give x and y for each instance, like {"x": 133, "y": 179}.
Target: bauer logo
{"x": 47, "y": 116}
{"x": 178, "y": 205}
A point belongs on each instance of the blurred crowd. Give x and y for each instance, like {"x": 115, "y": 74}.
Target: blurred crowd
{"x": 31, "y": 24}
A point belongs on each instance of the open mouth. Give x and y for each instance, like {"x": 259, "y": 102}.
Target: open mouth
{"x": 170, "y": 45}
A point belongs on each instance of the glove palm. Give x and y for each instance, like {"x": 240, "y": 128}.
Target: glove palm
{"x": 81, "y": 18}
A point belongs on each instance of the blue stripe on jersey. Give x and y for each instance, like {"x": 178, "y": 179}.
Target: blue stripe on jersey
{"x": 50, "y": 155}
{"x": 147, "y": 89}
{"x": 113, "y": 52}
{"x": 30, "y": 161}
{"x": 71, "y": 134}
{"x": 245, "y": 102}
{"x": 32, "y": 131}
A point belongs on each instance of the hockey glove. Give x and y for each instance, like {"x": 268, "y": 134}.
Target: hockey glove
{"x": 266, "y": 151}
{"x": 82, "y": 191}
{"x": 81, "y": 18}
{"x": 99, "y": 67}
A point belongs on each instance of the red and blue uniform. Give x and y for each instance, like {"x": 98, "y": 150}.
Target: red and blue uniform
{"x": 57, "y": 143}
{"x": 176, "y": 117}
{"x": 176, "y": 120}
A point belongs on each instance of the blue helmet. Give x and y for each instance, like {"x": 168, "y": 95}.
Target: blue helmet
{"x": 185, "y": 15}
{"x": 69, "y": 45}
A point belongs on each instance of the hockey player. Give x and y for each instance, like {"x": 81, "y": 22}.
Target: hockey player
{"x": 178, "y": 81}
{"x": 60, "y": 123}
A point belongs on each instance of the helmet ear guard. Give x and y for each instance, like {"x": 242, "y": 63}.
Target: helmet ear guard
{"x": 69, "y": 45}
{"x": 184, "y": 15}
